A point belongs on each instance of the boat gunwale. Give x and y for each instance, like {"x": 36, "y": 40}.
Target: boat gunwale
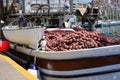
{"x": 22, "y": 28}
{"x": 74, "y": 54}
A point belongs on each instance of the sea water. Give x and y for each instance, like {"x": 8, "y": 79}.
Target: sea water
{"x": 109, "y": 29}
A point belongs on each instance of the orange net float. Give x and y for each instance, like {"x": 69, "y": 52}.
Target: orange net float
{"x": 4, "y": 45}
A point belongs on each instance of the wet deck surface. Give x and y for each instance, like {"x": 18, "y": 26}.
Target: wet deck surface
{"x": 9, "y": 70}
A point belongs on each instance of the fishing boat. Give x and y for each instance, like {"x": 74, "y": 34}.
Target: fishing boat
{"x": 73, "y": 64}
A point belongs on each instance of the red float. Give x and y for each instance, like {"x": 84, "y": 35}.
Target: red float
{"x": 4, "y": 45}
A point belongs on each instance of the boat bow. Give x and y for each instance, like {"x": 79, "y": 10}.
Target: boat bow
{"x": 26, "y": 36}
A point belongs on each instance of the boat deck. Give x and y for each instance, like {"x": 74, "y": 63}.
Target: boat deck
{"x": 10, "y": 70}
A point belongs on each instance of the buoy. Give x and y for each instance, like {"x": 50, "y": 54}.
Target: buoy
{"x": 34, "y": 70}
{"x": 4, "y": 45}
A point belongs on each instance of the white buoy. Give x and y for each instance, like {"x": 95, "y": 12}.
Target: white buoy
{"x": 34, "y": 70}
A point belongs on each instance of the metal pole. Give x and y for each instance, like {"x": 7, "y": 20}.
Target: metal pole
{"x": 1, "y": 17}
{"x": 92, "y": 6}
{"x": 71, "y": 6}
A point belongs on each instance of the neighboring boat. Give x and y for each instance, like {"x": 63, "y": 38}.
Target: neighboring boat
{"x": 26, "y": 36}
{"x": 109, "y": 23}
{"x": 108, "y": 27}
{"x": 101, "y": 24}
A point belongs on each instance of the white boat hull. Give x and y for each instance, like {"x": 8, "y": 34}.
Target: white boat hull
{"x": 26, "y": 36}
{"x": 52, "y": 73}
